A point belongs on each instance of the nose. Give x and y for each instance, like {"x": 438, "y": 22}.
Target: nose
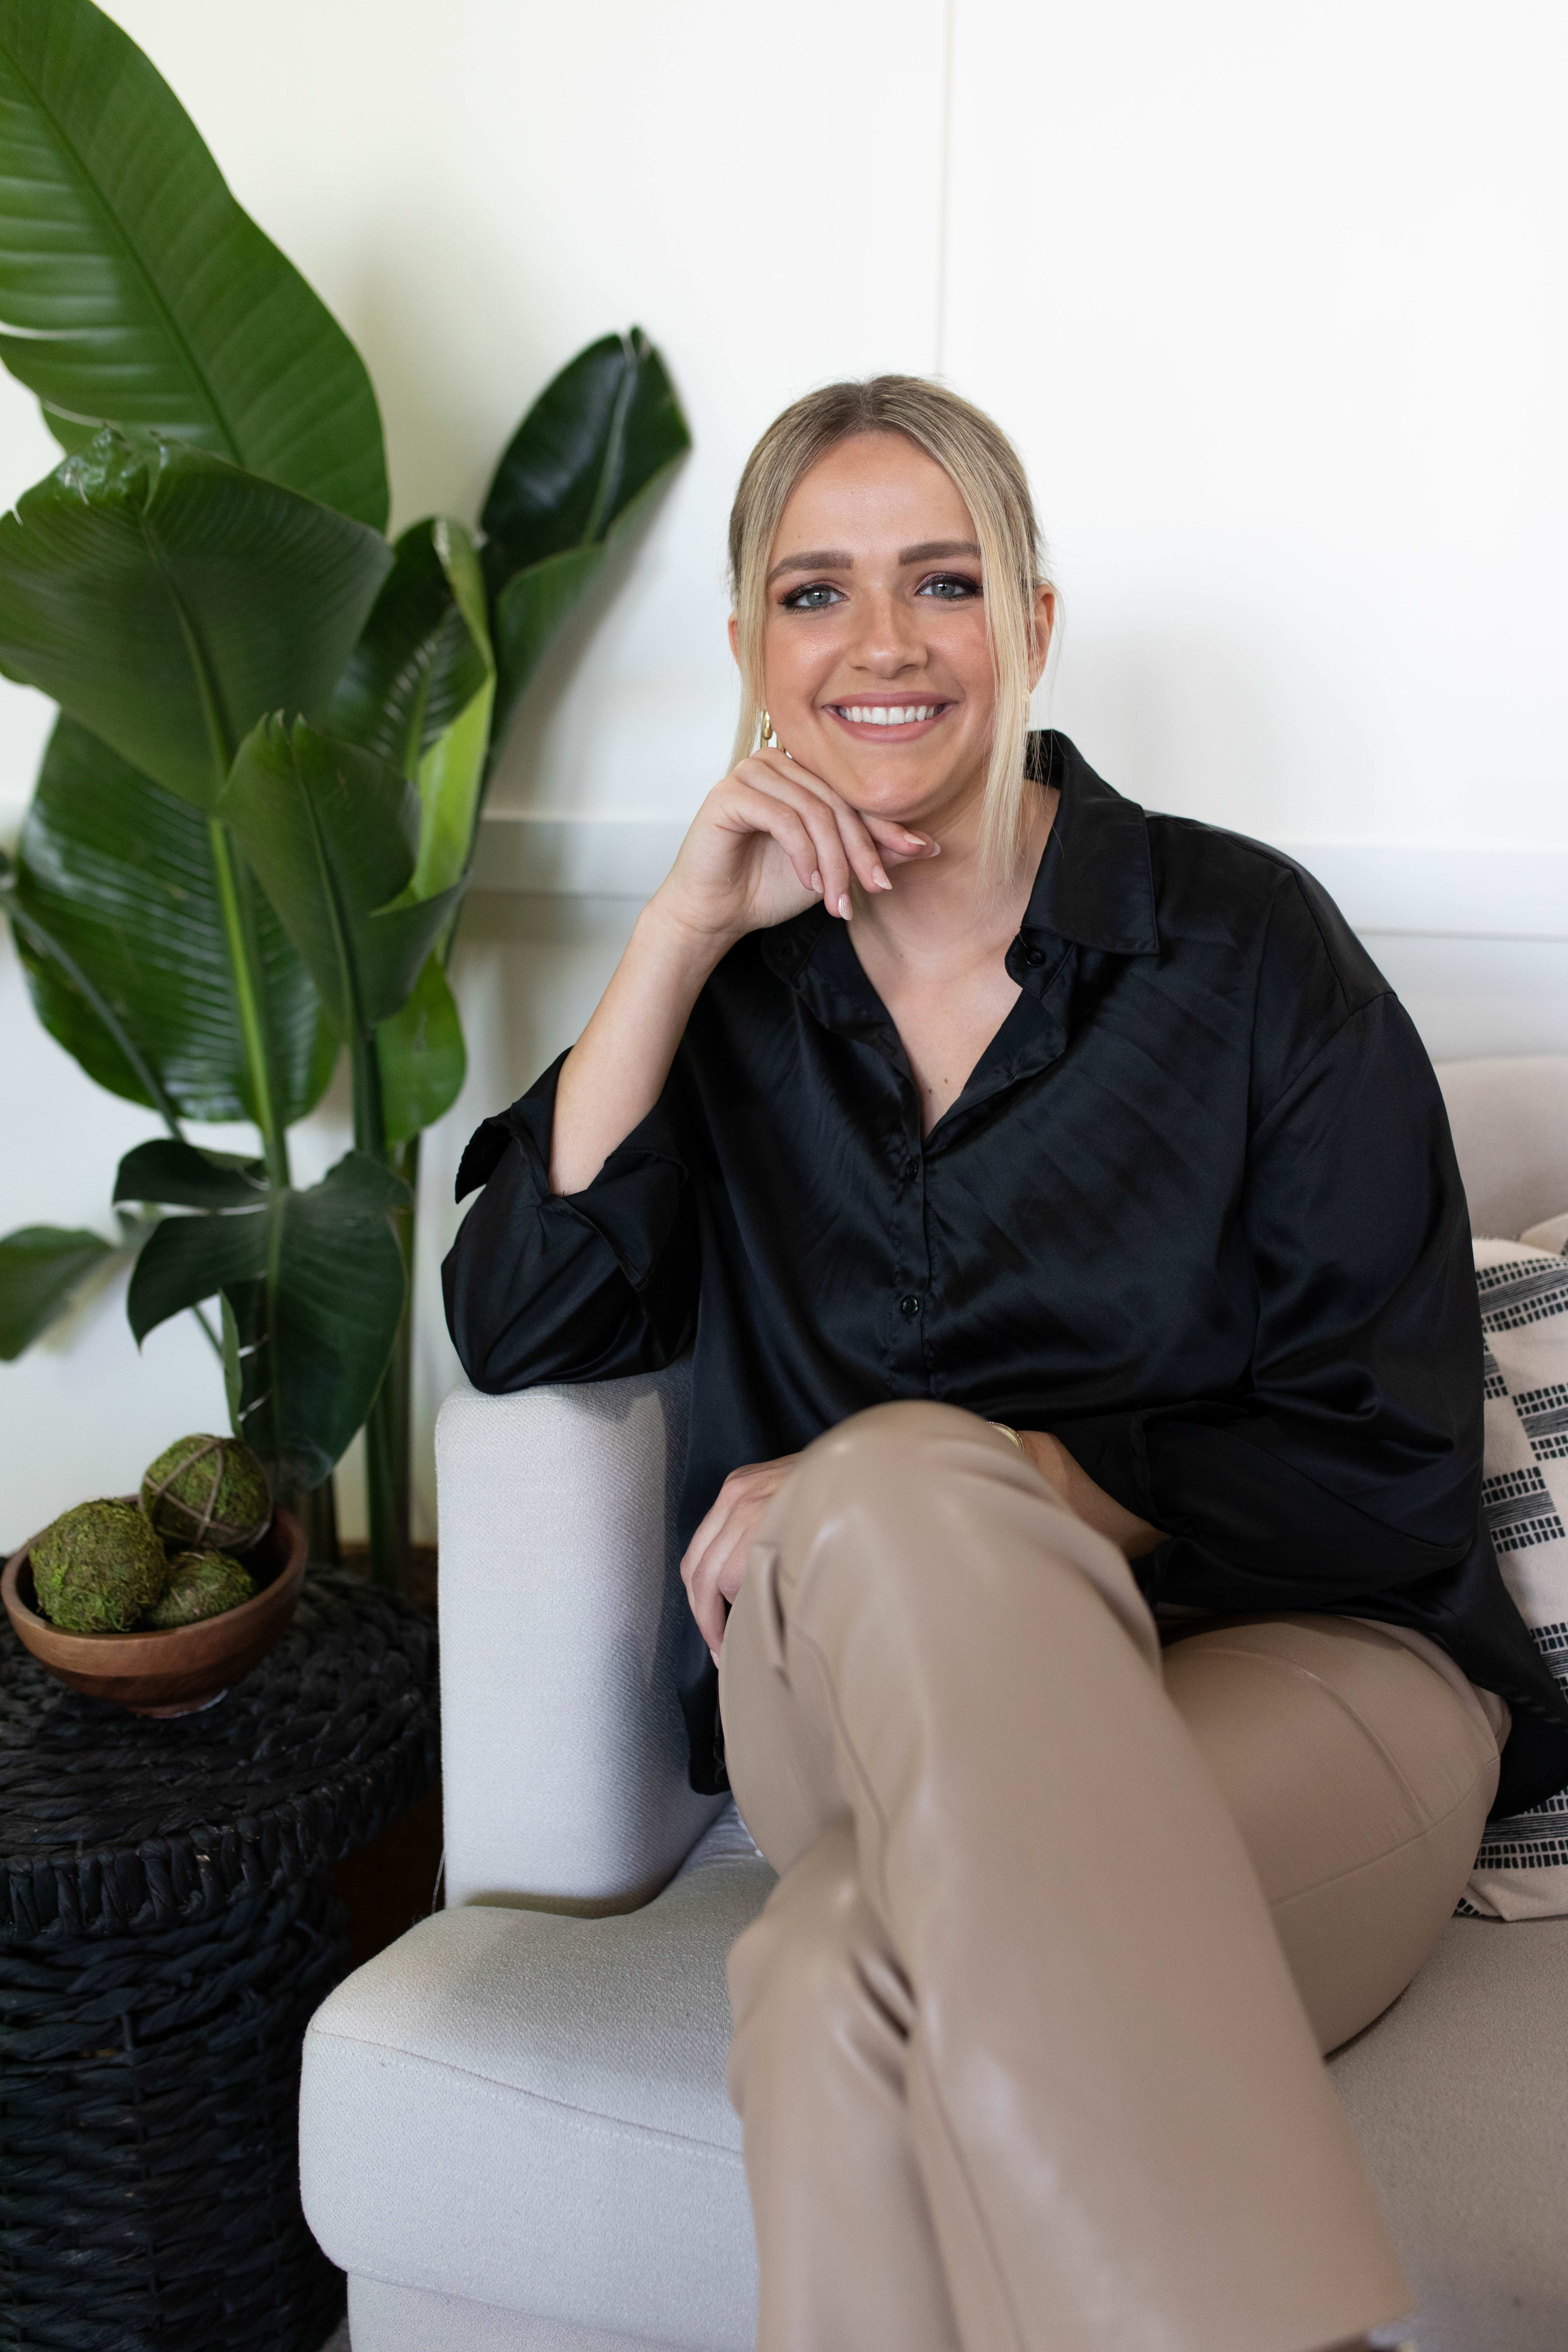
{"x": 888, "y": 641}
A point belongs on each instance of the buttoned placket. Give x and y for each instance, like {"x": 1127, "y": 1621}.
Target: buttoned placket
{"x": 820, "y": 963}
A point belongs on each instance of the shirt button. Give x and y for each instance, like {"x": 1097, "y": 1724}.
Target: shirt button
{"x": 911, "y": 1170}
{"x": 1034, "y": 956}
{"x": 908, "y": 1304}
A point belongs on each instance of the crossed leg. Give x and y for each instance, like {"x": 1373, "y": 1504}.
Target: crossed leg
{"x": 1019, "y": 2061}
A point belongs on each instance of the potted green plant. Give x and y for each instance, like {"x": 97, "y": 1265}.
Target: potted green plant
{"x": 255, "y": 817}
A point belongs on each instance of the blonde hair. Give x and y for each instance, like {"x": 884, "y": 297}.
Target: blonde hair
{"x": 986, "y": 470}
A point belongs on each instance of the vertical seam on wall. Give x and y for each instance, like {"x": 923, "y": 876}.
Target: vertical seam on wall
{"x": 940, "y": 354}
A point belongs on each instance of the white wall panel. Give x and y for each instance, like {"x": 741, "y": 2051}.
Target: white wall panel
{"x": 1268, "y": 297}
{"x": 1263, "y": 294}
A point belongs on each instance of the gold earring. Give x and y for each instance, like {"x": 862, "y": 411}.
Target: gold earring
{"x": 768, "y": 740}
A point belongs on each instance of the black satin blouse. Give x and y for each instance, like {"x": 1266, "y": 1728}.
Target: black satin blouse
{"x": 1196, "y": 1211}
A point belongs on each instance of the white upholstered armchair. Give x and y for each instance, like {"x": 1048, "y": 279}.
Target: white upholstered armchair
{"x": 514, "y": 2134}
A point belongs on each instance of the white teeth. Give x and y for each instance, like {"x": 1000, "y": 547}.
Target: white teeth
{"x": 886, "y": 714}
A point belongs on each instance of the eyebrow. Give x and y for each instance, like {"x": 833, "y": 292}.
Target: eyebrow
{"x": 835, "y": 559}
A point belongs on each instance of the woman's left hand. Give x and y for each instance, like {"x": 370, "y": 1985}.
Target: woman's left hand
{"x": 715, "y": 1559}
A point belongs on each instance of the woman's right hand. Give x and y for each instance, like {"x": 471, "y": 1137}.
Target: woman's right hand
{"x": 768, "y": 841}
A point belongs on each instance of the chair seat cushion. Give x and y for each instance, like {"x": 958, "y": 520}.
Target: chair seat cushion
{"x": 1458, "y": 2100}
{"x": 529, "y": 2110}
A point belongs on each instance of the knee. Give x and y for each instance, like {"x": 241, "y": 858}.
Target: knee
{"x": 899, "y": 1449}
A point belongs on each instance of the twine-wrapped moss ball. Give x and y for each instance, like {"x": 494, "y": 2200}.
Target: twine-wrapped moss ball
{"x": 97, "y": 1568}
{"x": 201, "y": 1584}
{"x": 203, "y": 1492}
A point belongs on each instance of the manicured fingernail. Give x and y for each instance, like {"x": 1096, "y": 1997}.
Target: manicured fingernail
{"x": 936, "y": 849}
{"x": 816, "y": 882}
{"x": 879, "y": 878}
{"x": 844, "y": 906}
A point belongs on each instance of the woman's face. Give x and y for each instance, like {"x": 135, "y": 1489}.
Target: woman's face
{"x": 876, "y": 669}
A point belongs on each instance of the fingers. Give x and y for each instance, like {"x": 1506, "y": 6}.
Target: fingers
{"x": 899, "y": 843}
{"x": 833, "y": 865}
{"x": 714, "y": 1566}
{"x": 849, "y": 849}
{"x": 820, "y": 860}
{"x": 699, "y": 1567}
{"x": 762, "y": 812}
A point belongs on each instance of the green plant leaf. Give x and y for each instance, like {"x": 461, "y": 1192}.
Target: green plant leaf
{"x": 419, "y": 689}
{"x": 187, "y": 1259}
{"x": 528, "y": 612}
{"x": 331, "y": 832}
{"x": 598, "y": 440}
{"x": 452, "y": 768}
{"x": 166, "y": 600}
{"x": 143, "y": 295}
{"x": 117, "y": 877}
{"x": 420, "y": 661}
{"x": 313, "y": 1285}
{"x": 180, "y": 1175}
{"x": 598, "y": 434}
{"x": 40, "y": 1268}
{"x": 423, "y": 1058}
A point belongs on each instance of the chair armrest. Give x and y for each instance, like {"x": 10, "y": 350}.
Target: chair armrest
{"x": 563, "y": 1748}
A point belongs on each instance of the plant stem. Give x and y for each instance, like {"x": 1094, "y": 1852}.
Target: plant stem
{"x": 245, "y": 959}
{"x": 321, "y": 1524}
{"x": 386, "y": 1464}
{"x": 370, "y": 1117}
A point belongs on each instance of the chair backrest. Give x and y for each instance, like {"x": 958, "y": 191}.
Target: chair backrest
{"x": 1509, "y": 1118}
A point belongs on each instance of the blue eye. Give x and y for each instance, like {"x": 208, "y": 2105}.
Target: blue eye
{"x": 813, "y": 599}
{"x": 950, "y": 588}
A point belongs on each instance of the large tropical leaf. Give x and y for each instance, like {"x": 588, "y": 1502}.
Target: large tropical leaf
{"x": 598, "y": 436}
{"x": 419, "y": 690}
{"x": 143, "y": 294}
{"x": 333, "y": 832}
{"x": 419, "y": 687}
{"x": 167, "y": 600}
{"x": 181, "y": 1175}
{"x": 528, "y": 611}
{"x": 45, "y": 1268}
{"x": 422, "y": 1056}
{"x": 597, "y": 441}
{"x": 420, "y": 661}
{"x": 313, "y": 1284}
{"x": 40, "y": 1268}
{"x": 117, "y": 877}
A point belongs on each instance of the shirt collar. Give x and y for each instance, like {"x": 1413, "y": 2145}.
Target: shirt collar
{"x": 1095, "y": 884}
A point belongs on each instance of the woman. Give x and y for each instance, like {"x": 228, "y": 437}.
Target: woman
{"x": 1061, "y": 1217}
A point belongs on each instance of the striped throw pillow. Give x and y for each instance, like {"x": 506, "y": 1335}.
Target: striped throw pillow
{"x": 1522, "y": 1869}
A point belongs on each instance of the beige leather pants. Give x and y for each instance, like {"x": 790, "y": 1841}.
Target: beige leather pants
{"x": 1027, "y": 2039}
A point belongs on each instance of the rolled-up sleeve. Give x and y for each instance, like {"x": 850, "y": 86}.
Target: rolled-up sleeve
{"x": 588, "y": 1286}
{"x": 1352, "y": 1464}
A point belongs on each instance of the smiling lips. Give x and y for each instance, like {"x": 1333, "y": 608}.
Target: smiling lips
{"x": 878, "y": 716}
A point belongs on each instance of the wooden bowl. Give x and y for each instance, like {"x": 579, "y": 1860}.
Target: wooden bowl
{"x": 176, "y": 1671}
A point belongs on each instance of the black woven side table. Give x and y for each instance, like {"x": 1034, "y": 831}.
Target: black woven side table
{"x": 167, "y": 1925}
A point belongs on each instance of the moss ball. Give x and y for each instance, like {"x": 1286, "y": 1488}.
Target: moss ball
{"x": 201, "y": 1584}
{"x": 205, "y": 1492}
{"x": 97, "y": 1568}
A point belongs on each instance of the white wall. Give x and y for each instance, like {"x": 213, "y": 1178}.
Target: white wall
{"x": 1269, "y": 298}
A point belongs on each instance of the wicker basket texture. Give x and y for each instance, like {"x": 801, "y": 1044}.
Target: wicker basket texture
{"x": 167, "y": 1925}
